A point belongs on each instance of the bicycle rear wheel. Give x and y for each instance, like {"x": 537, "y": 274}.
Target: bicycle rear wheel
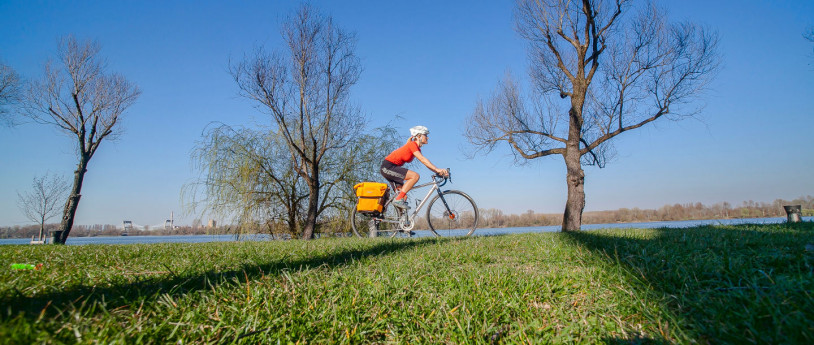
{"x": 363, "y": 224}
{"x": 368, "y": 225}
{"x": 453, "y": 213}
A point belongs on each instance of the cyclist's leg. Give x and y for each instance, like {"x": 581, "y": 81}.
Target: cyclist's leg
{"x": 410, "y": 180}
{"x": 400, "y": 176}
{"x": 394, "y": 173}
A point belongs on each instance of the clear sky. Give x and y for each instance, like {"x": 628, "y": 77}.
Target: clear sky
{"x": 425, "y": 62}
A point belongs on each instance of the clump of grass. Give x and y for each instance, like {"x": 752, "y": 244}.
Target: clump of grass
{"x": 705, "y": 284}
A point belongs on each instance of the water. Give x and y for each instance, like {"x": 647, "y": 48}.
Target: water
{"x": 479, "y": 232}
{"x": 146, "y": 239}
{"x": 643, "y": 225}
{"x": 647, "y": 225}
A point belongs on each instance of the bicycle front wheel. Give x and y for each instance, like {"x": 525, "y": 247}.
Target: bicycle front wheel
{"x": 453, "y": 213}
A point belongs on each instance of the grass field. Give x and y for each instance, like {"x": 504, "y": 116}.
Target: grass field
{"x": 711, "y": 284}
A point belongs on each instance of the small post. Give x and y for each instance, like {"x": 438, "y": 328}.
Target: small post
{"x": 55, "y": 236}
{"x": 794, "y": 213}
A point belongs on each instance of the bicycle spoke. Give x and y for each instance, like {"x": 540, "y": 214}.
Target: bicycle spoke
{"x": 454, "y": 215}
{"x": 362, "y": 224}
{"x": 366, "y": 225}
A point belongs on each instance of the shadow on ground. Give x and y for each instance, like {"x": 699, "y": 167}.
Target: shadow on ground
{"x": 722, "y": 284}
{"x": 117, "y": 295}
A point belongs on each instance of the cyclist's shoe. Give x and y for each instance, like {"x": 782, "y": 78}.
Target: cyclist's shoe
{"x": 401, "y": 203}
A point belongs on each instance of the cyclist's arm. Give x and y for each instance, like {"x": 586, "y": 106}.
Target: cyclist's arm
{"x": 422, "y": 159}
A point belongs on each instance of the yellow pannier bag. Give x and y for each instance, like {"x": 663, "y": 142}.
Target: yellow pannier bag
{"x": 372, "y": 196}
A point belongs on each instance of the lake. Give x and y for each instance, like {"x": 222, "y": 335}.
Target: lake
{"x": 479, "y": 232}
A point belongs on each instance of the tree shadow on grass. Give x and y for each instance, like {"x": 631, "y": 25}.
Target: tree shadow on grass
{"x": 118, "y": 295}
{"x": 722, "y": 284}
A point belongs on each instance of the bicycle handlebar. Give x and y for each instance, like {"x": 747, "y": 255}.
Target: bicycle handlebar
{"x": 444, "y": 178}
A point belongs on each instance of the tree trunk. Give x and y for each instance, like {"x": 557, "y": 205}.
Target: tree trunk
{"x": 311, "y": 215}
{"x": 313, "y": 204}
{"x": 73, "y": 199}
{"x": 575, "y": 177}
{"x": 292, "y": 220}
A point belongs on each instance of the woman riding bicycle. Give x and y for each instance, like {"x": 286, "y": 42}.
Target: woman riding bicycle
{"x": 393, "y": 165}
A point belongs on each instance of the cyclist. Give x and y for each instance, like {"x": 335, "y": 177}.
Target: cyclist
{"x": 393, "y": 165}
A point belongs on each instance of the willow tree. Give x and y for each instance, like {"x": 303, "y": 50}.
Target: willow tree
{"x": 596, "y": 71}
{"x": 247, "y": 175}
{"x": 305, "y": 88}
{"x": 78, "y": 97}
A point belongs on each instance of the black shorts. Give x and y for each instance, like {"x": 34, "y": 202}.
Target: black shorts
{"x": 393, "y": 173}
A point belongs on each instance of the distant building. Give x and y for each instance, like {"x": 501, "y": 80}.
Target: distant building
{"x": 212, "y": 224}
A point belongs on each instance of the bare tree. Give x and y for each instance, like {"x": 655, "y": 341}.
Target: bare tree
{"x": 596, "y": 73}
{"x": 78, "y": 97}
{"x": 40, "y": 204}
{"x": 10, "y": 92}
{"x": 305, "y": 91}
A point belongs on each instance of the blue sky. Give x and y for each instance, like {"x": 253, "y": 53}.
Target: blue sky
{"x": 425, "y": 62}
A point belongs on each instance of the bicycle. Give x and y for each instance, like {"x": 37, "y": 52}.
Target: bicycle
{"x": 450, "y": 213}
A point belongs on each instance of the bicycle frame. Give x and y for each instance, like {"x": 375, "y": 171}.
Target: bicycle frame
{"x": 436, "y": 187}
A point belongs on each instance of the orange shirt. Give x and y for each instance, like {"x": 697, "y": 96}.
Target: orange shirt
{"x": 404, "y": 154}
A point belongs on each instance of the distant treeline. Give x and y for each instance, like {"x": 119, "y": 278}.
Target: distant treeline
{"x": 106, "y": 230}
{"x": 493, "y": 218}
{"x": 490, "y": 218}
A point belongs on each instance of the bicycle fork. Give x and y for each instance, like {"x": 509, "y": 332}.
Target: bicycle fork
{"x": 407, "y": 223}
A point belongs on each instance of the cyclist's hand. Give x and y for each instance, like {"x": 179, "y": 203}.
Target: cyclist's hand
{"x": 443, "y": 172}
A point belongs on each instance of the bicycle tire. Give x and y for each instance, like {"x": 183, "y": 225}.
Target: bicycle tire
{"x": 463, "y": 221}
{"x": 361, "y": 227}
{"x": 361, "y": 223}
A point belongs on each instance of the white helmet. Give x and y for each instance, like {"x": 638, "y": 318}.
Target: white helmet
{"x": 419, "y": 130}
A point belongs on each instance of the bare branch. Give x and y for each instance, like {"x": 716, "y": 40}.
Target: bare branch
{"x": 506, "y": 118}
{"x": 80, "y": 98}
{"x": 10, "y": 93}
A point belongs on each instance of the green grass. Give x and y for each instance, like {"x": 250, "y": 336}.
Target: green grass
{"x": 723, "y": 284}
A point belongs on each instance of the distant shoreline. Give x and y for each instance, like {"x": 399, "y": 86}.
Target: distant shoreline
{"x": 482, "y": 231}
